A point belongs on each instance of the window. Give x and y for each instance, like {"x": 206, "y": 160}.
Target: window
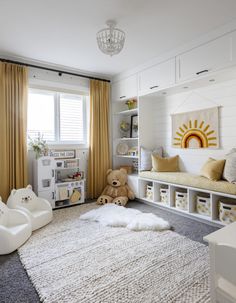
{"x": 59, "y": 117}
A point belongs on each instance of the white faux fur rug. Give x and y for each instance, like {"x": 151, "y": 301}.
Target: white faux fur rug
{"x": 76, "y": 261}
{"x": 119, "y": 216}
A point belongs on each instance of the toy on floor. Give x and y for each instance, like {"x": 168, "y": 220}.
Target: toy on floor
{"x": 117, "y": 190}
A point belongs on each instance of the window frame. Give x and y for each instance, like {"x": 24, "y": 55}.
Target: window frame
{"x": 56, "y": 94}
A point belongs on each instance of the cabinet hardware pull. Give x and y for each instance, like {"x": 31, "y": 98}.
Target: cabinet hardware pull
{"x": 53, "y": 195}
{"x": 155, "y": 86}
{"x": 53, "y": 173}
{"x": 122, "y": 97}
{"x": 202, "y": 71}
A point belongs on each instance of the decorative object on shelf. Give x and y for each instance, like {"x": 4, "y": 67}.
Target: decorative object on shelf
{"x": 164, "y": 192}
{"x": 196, "y": 129}
{"x": 133, "y": 151}
{"x": 117, "y": 190}
{"x": 135, "y": 165}
{"x": 181, "y": 200}
{"x": 203, "y": 205}
{"x": 128, "y": 168}
{"x": 63, "y": 154}
{"x": 124, "y": 128}
{"x": 134, "y": 126}
{"x": 149, "y": 192}
{"x": 131, "y": 103}
{"x": 111, "y": 40}
{"x": 227, "y": 210}
{"x": 122, "y": 148}
{"x": 39, "y": 146}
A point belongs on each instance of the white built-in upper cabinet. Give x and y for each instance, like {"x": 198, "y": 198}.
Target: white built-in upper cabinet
{"x": 125, "y": 89}
{"x": 157, "y": 77}
{"x": 207, "y": 58}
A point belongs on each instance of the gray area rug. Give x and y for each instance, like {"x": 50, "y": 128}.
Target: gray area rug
{"x": 78, "y": 261}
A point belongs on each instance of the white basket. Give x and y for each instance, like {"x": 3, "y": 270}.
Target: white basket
{"x": 164, "y": 193}
{"x": 149, "y": 192}
{"x": 227, "y": 211}
{"x": 181, "y": 200}
{"x": 203, "y": 205}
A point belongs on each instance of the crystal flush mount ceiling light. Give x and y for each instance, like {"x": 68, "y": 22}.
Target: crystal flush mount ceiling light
{"x": 111, "y": 39}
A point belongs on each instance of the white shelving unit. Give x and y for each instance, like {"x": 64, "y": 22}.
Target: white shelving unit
{"x": 121, "y": 113}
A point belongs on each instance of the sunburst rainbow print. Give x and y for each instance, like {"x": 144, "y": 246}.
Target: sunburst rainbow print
{"x": 195, "y": 130}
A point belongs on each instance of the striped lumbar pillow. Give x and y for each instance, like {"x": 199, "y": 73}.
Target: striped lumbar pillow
{"x": 146, "y": 157}
{"x": 229, "y": 173}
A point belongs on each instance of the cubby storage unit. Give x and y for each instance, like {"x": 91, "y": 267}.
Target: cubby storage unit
{"x": 192, "y": 195}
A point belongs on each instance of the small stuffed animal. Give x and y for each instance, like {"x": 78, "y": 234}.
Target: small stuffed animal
{"x": 117, "y": 191}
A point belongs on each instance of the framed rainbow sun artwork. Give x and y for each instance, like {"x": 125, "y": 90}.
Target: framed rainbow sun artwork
{"x": 197, "y": 129}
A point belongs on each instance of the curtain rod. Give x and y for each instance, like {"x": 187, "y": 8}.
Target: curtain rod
{"x": 60, "y": 72}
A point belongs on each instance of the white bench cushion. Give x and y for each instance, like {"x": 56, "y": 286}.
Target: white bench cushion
{"x": 191, "y": 180}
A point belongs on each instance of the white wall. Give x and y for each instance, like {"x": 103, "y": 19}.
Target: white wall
{"x": 223, "y": 94}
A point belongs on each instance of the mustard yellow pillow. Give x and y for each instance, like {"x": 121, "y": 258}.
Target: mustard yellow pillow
{"x": 160, "y": 164}
{"x": 213, "y": 169}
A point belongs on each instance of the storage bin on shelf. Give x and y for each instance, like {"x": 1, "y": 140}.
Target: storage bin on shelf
{"x": 181, "y": 200}
{"x": 149, "y": 192}
{"x": 164, "y": 193}
{"x": 203, "y": 206}
{"x": 227, "y": 211}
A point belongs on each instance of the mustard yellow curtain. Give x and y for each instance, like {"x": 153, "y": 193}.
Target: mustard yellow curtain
{"x": 99, "y": 151}
{"x": 13, "y": 127}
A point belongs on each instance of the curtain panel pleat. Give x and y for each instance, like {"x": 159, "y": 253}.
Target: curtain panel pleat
{"x": 99, "y": 149}
{"x": 13, "y": 127}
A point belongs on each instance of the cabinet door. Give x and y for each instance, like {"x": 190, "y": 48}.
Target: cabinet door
{"x": 125, "y": 89}
{"x": 204, "y": 59}
{"x": 45, "y": 173}
{"x": 157, "y": 77}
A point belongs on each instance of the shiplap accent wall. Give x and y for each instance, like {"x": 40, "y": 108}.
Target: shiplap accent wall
{"x": 222, "y": 94}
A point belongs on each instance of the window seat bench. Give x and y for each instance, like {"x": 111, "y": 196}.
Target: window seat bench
{"x": 193, "y": 185}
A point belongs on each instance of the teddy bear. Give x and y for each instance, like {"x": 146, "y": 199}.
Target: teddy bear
{"x": 117, "y": 190}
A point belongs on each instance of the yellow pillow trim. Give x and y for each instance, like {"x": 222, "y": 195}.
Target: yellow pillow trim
{"x": 213, "y": 169}
{"x": 160, "y": 164}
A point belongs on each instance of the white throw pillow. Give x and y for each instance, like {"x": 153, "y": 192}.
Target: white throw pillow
{"x": 146, "y": 157}
{"x": 229, "y": 173}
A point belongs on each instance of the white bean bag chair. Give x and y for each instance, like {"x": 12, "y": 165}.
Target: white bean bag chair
{"x": 15, "y": 228}
{"x": 38, "y": 209}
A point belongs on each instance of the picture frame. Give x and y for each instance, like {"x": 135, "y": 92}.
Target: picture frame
{"x": 134, "y": 126}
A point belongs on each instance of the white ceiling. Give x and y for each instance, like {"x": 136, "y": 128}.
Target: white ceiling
{"x": 63, "y": 32}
